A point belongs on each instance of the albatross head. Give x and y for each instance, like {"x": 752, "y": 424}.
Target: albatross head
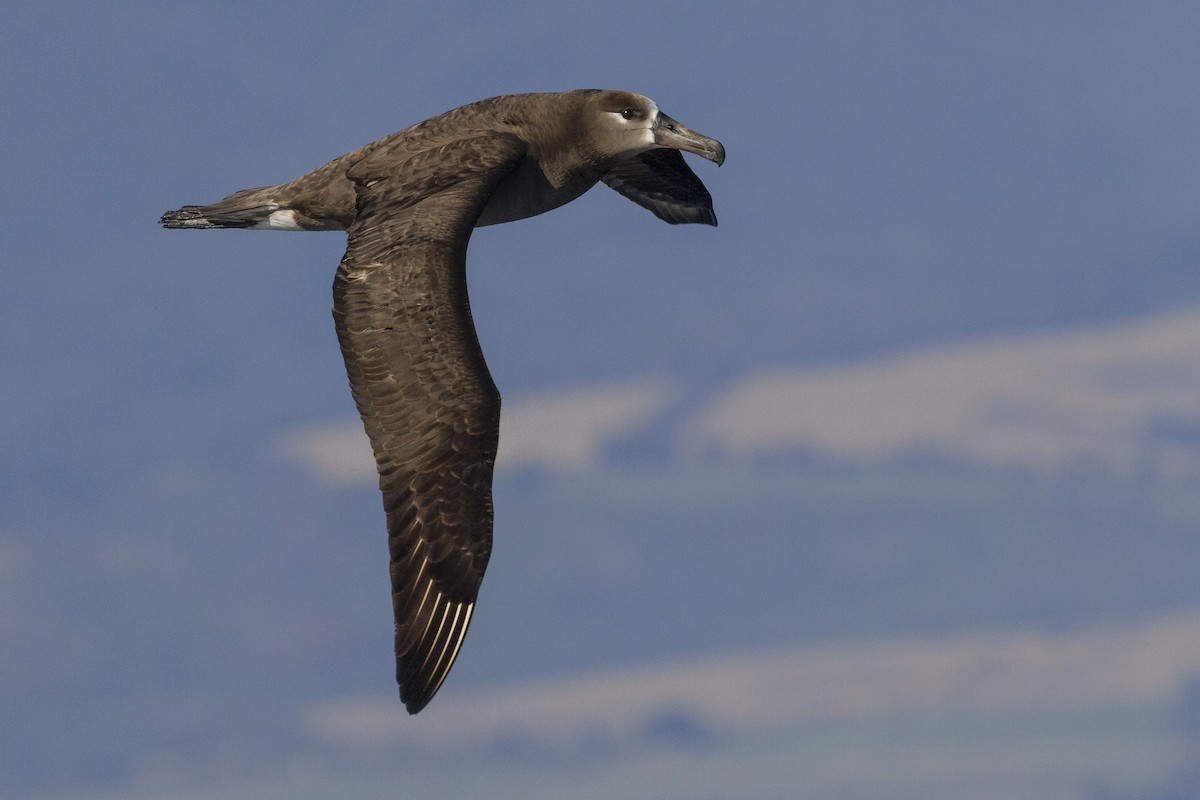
{"x": 624, "y": 123}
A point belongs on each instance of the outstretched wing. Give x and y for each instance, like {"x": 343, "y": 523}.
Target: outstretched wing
{"x": 661, "y": 181}
{"x": 418, "y": 376}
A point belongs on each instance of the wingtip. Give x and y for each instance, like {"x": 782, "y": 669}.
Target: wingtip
{"x": 419, "y": 683}
{"x": 413, "y": 705}
{"x": 699, "y": 217}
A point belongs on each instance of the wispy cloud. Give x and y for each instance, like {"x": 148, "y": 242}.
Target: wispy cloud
{"x": 1122, "y": 396}
{"x": 564, "y": 429}
{"x": 569, "y": 429}
{"x": 336, "y": 451}
{"x": 994, "y": 671}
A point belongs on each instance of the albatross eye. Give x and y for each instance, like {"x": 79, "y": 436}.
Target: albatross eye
{"x": 630, "y": 113}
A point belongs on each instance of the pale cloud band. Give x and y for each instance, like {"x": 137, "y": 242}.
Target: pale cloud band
{"x": 563, "y": 430}
{"x": 995, "y": 671}
{"x": 1107, "y": 397}
{"x": 1122, "y": 398}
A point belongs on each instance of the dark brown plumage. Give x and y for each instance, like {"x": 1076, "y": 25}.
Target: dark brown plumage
{"x": 409, "y": 202}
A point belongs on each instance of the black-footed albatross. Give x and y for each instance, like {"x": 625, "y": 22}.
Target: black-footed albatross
{"x": 409, "y": 202}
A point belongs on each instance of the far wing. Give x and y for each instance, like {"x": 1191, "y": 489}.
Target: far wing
{"x": 661, "y": 181}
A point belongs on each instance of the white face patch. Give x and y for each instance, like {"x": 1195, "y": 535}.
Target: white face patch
{"x": 653, "y": 120}
{"x": 282, "y": 220}
{"x": 642, "y": 128}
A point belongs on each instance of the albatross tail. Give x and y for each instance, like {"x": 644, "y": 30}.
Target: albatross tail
{"x": 249, "y": 208}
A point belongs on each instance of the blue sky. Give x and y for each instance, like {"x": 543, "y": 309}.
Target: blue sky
{"x": 909, "y": 439}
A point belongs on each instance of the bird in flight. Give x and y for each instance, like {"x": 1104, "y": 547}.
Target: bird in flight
{"x": 408, "y": 203}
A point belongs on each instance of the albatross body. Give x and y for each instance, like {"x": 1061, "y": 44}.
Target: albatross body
{"x": 409, "y": 202}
